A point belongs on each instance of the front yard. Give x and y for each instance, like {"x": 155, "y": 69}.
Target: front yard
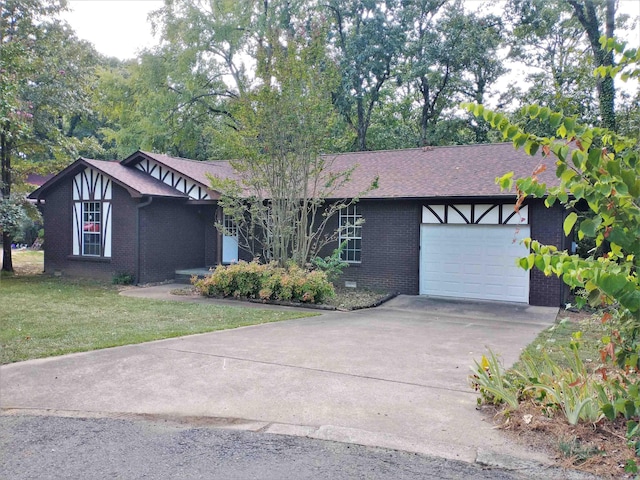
{"x": 44, "y": 316}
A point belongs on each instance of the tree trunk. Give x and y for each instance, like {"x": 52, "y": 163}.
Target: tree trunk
{"x": 361, "y": 129}
{"x": 7, "y": 260}
{"x": 588, "y": 18}
{"x": 5, "y": 189}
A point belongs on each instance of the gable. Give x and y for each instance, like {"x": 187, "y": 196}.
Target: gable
{"x": 174, "y": 179}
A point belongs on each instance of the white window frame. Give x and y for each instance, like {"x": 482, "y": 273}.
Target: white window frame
{"x": 92, "y": 228}
{"x": 350, "y": 231}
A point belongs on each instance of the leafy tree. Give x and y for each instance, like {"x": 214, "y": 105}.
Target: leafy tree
{"x": 147, "y": 104}
{"x": 279, "y": 199}
{"x": 366, "y": 39}
{"x": 450, "y": 55}
{"x": 557, "y": 38}
{"x": 549, "y": 40}
{"x": 586, "y": 13}
{"x": 43, "y": 70}
{"x": 601, "y": 169}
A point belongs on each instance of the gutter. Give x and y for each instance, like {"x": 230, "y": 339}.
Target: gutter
{"x": 138, "y": 244}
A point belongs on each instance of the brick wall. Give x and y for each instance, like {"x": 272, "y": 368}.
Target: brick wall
{"x": 390, "y": 247}
{"x": 58, "y": 227}
{"x": 173, "y": 236}
{"x": 546, "y": 227}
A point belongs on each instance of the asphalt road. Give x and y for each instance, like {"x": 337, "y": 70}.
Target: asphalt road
{"x": 42, "y": 447}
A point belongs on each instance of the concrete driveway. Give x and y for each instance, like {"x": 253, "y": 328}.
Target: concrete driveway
{"x": 394, "y": 376}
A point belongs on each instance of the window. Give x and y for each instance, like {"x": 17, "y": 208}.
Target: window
{"x": 91, "y": 213}
{"x": 351, "y": 232}
{"x": 230, "y": 226}
{"x": 91, "y": 229}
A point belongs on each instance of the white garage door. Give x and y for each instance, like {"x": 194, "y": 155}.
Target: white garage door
{"x": 473, "y": 261}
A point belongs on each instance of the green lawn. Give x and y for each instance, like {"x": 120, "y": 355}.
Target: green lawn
{"x": 42, "y": 316}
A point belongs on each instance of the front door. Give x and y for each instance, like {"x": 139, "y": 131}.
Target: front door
{"x": 229, "y": 241}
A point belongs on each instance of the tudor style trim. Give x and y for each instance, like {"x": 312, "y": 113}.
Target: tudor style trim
{"x": 172, "y": 178}
{"x": 479, "y": 214}
{"x": 91, "y": 189}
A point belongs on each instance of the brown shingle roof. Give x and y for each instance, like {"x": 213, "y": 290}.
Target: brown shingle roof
{"x": 135, "y": 180}
{"x": 456, "y": 171}
{"x": 137, "y": 183}
{"x": 194, "y": 169}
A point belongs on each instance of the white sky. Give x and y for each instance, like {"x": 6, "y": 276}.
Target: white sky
{"x": 117, "y": 28}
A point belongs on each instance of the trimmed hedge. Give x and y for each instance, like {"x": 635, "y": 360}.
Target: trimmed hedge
{"x": 266, "y": 282}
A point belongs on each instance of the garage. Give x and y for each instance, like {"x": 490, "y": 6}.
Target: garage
{"x": 473, "y": 260}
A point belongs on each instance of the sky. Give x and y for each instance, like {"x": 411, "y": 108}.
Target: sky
{"x": 119, "y": 28}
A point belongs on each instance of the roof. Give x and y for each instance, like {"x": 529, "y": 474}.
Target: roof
{"x": 136, "y": 180}
{"x": 37, "y": 180}
{"x": 137, "y": 183}
{"x": 455, "y": 171}
{"x": 430, "y": 172}
{"x": 194, "y": 169}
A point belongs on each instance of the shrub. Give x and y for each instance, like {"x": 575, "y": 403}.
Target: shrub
{"x": 266, "y": 282}
{"x": 333, "y": 265}
{"x": 123, "y": 278}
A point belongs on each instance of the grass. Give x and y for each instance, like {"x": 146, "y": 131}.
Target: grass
{"x": 44, "y": 316}
{"x": 559, "y": 336}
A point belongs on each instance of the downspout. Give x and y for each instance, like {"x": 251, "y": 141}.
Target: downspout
{"x": 138, "y": 243}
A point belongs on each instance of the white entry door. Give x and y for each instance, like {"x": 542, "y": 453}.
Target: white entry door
{"x": 473, "y": 261}
{"x": 230, "y": 241}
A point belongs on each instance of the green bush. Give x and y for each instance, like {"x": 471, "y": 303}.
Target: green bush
{"x": 266, "y": 282}
{"x": 123, "y": 278}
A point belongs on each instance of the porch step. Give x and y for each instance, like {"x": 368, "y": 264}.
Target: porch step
{"x": 184, "y": 276}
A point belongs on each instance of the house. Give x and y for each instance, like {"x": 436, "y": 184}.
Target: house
{"x": 438, "y": 224}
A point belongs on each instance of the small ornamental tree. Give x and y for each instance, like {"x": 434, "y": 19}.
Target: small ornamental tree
{"x": 600, "y": 169}
{"x": 283, "y": 196}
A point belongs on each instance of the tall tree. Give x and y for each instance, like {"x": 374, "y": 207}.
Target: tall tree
{"x": 553, "y": 38}
{"x": 43, "y": 68}
{"x": 450, "y": 55}
{"x": 586, "y": 13}
{"x": 366, "y": 38}
{"x": 551, "y": 43}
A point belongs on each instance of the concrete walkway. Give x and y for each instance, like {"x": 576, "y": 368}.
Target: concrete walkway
{"x": 394, "y": 376}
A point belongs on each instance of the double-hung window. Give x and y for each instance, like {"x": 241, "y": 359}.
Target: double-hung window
{"x": 91, "y": 229}
{"x": 91, "y": 209}
{"x": 351, "y": 233}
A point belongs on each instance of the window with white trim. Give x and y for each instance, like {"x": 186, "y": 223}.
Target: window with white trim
{"x": 351, "y": 233}
{"x": 91, "y": 229}
{"x": 230, "y": 226}
{"x": 91, "y": 212}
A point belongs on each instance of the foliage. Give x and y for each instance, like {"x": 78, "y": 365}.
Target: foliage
{"x": 601, "y": 169}
{"x": 266, "y": 282}
{"x": 549, "y": 40}
{"x": 367, "y": 38}
{"x": 45, "y": 73}
{"x": 123, "y": 278}
{"x": 493, "y": 383}
{"x": 332, "y": 265}
{"x": 12, "y": 216}
{"x": 574, "y": 390}
{"x": 284, "y": 195}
